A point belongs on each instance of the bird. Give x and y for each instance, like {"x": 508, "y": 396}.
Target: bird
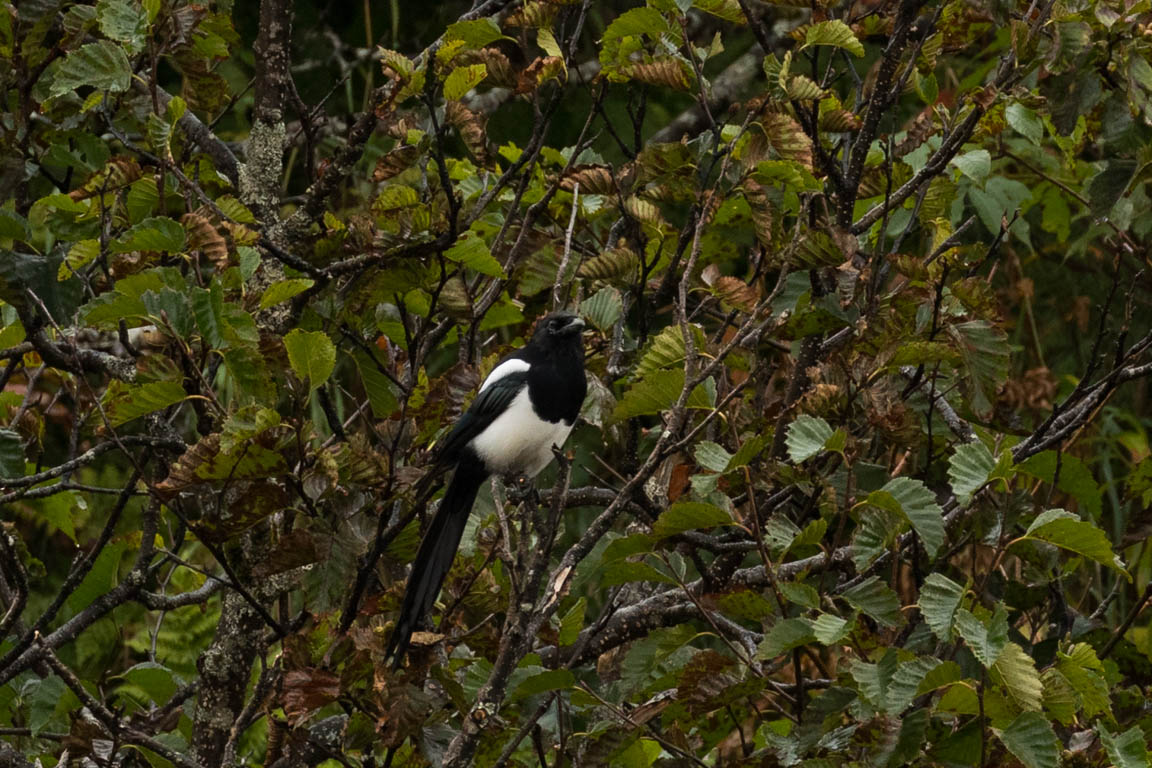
{"x": 526, "y": 405}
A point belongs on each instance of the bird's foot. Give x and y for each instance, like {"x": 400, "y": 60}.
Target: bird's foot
{"x": 521, "y": 489}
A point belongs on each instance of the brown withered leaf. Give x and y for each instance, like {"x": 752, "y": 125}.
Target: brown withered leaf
{"x": 395, "y": 161}
{"x": 257, "y": 502}
{"x": 788, "y": 138}
{"x": 471, "y": 127}
{"x": 292, "y": 551}
{"x": 736, "y": 292}
{"x": 205, "y": 463}
{"x": 306, "y": 690}
{"x": 593, "y": 180}
{"x": 666, "y": 72}
{"x": 203, "y": 236}
{"x": 541, "y": 70}
{"x": 118, "y": 173}
{"x": 534, "y": 14}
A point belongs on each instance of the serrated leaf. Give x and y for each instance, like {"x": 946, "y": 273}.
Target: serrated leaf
{"x": 1059, "y": 699}
{"x": 1025, "y": 122}
{"x": 939, "y": 599}
{"x": 102, "y": 65}
{"x": 1015, "y": 671}
{"x": 311, "y": 354}
{"x": 658, "y": 392}
{"x": 711, "y": 456}
{"x": 572, "y": 622}
{"x": 1070, "y": 475}
{"x": 969, "y": 469}
{"x": 834, "y": 33}
{"x": 463, "y": 79}
{"x": 876, "y": 599}
{"x": 918, "y": 504}
{"x": 284, "y": 290}
{"x": 1085, "y": 673}
{"x": 381, "y": 397}
{"x": 976, "y": 164}
{"x": 542, "y": 682}
{"x": 11, "y": 454}
{"x": 208, "y": 307}
{"x": 142, "y": 199}
{"x": 156, "y": 680}
{"x": 1067, "y": 531}
{"x": 472, "y": 252}
{"x": 986, "y": 642}
{"x": 123, "y": 403}
{"x": 689, "y": 515}
{"x": 153, "y": 234}
{"x": 1125, "y": 750}
{"x": 1031, "y": 739}
{"x": 603, "y": 308}
{"x": 984, "y": 349}
{"x": 123, "y": 21}
{"x": 785, "y": 635}
{"x": 807, "y": 436}
{"x": 829, "y": 629}
{"x": 13, "y": 225}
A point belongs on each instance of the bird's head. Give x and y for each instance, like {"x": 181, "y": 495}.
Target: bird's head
{"x": 560, "y": 327}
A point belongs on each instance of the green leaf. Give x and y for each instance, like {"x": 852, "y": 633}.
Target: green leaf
{"x": 376, "y": 385}
{"x": 245, "y": 424}
{"x": 1058, "y": 698}
{"x": 542, "y": 682}
{"x": 123, "y": 21}
{"x": 123, "y": 403}
{"x": 1031, "y": 739}
{"x": 799, "y": 593}
{"x": 1085, "y": 673}
{"x": 284, "y": 290}
{"x": 1015, "y": 671}
{"x": 874, "y": 598}
{"x": 45, "y": 695}
{"x": 689, "y": 515}
{"x": 829, "y": 629}
{"x": 976, "y": 164}
{"x": 154, "y": 234}
{"x": 711, "y": 456}
{"x": 919, "y": 505}
{"x": 785, "y": 635}
{"x": 984, "y": 349}
{"x": 968, "y": 470}
{"x": 986, "y": 641}
{"x": 81, "y": 253}
{"x": 13, "y": 225}
{"x": 156, "y": 680}
{"x": 906, "y": 680}
{"x": 1067, "y": 531}
{"x": 658, "y": 392}
{"x": 1126, "y": 750}
{"x": 11, "y": 454}
{"x": 208, "y": 307}
{"x": 471, "y": 251}
{"x": 603, "y": 308}
{"x": 1106, "y": 187}
{"x": 1074, "y": 478}
{"x": 311, "y": 354}
{"x": 102, "y": 65}
{"x": 807, "y": 436}
{"x": 1025, "y": 122}
{"x": 142, "y": 199}
{"x": 834, "y": 33}
{"x": 463, "y": 79}
{"x": 624, "y": 571}
{"x": 475, "y": 34}
{"x": 939, "y": 599}
{"x": 572, "y": 622}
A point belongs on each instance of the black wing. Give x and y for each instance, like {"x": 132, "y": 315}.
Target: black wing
{"x": 487, "y": 406}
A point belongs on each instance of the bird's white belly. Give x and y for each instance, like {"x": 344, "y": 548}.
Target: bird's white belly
{"x": 518, "y": 442}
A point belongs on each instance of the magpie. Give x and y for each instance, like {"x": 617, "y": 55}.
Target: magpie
{"x": 526, "y": 405}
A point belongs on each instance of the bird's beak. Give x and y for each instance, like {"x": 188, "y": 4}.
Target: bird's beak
{"x": 575, "y": 325}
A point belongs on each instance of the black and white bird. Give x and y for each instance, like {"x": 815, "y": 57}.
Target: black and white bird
{"x": 527, "y": 405}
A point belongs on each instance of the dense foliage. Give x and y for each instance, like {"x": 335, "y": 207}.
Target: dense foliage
{"x": 863, "y": 477}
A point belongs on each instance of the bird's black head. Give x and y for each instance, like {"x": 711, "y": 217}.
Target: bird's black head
{"x": 559, "y": 327}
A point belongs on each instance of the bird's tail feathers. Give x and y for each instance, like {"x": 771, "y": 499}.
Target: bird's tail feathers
{"x": 434, "y": 558}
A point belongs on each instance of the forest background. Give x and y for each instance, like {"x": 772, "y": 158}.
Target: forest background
{"x": 863, "y": 477}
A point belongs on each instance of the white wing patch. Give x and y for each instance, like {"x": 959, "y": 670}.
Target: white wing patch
{"x": 518, "y": 442}
{"x": 508, "y": 366}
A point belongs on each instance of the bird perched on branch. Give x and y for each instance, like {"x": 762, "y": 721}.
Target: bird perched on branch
{"x": 527, "y": 405}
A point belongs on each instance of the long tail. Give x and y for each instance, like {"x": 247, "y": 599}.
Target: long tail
{"x": 436, "y": 553}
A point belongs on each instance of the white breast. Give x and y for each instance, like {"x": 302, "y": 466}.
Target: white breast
{"x": 519, "y": 442}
